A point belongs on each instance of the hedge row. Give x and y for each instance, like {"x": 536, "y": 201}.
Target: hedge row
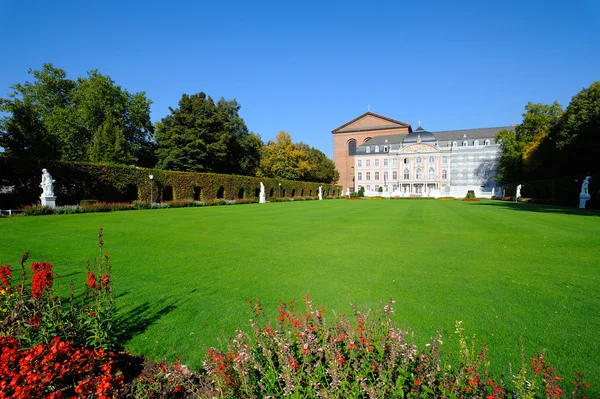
{"x": 20, "y": 180}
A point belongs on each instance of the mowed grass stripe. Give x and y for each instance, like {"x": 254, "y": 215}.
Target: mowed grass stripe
{"x": 182, "y": 276}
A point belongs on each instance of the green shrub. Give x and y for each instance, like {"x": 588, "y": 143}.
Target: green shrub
{"x": 87, "y": 202}
{"x": 470, "y": 194}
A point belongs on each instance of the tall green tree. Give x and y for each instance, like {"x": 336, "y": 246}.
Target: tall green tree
{"x": 517, "y": 161}
{"x": 573, "y": 143}
{"x": 88, "y": 119}
{"x": 282, "y": 159}
{"x": 203, "y": 136}
{"x": 322, "y": 169}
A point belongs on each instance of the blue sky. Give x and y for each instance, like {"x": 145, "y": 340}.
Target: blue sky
{"x": 308, "y": 67}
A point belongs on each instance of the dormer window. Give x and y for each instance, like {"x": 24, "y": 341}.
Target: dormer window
{"x": 368, "y": 150}
{"x": 487, "y": 142}
{"x": 385, "y": 148}
{"x": 465, "y": 143}
{"x": 476, "y": 142}
{"x": 376, "y": 148}
{"x": 454, "y": 144}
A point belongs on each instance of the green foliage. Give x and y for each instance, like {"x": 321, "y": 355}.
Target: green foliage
{"x": 89, "y": 119}
{"x": 573, "y": 144}
{"x": 470, "y": 194}
{"x": 282, "y": 159}
{"x": 537, "y": 120}
{"x": 201, "y": 136}
{"x": 322, "y": 169}
{"x": 116, "y": 184}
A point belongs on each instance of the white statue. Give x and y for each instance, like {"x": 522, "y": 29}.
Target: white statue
{"x": 348, "y": 192}
{"x": 518, "y": 192}
{"x": 493, "y": 191}
{"x": 320, "y": 193}
{"x": 584, "y": 186}
{"x": 584, "y": 196}
{"x": 47, "y": 184}
{"x": 262, "y": 198}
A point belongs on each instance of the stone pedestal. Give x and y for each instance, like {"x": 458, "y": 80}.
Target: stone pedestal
{"x": 583, "y": 198}
{"x": 262, "y": 199}
{"x": 48, "y": 201}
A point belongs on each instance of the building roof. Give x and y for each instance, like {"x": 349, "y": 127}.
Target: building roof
{"x": 391, "y": 124}
{"x": 481, "y": 133}
{"x": 419, "y": 135}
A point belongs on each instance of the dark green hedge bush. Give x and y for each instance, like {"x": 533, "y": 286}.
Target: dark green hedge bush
{"x": 20, "y": 180}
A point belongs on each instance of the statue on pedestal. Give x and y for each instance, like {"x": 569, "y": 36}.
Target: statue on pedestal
{"x": 584, "y": 196}
{"x": 320, "y": 193}
{"x": 47, "y": 198}
{"x": 348, "y": 192}
{"x": 518, "y": 192}
{"x": 262, "y": 198}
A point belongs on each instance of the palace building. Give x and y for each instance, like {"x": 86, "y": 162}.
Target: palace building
{"x": 386, "y": 157}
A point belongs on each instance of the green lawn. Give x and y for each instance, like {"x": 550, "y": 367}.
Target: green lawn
{"x": 182, "y": 276}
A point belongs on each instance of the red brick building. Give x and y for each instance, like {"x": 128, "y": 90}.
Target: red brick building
{"x": 348, "y": 137}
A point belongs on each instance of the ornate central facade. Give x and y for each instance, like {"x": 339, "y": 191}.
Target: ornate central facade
{"x": 386, "y": 156}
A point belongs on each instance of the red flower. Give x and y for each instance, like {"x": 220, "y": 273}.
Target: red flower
{"x": 91, "y": 281}
{"x": 41, "y": 279}
{"x": 417, "y": 382}
{"x": 34, "y": 321}
{"x": 5, "y": 276}
{"x": 105, "y": 280}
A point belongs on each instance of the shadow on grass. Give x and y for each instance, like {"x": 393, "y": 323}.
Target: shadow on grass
{"x": 542, "y": 208}
{"x": 138, "y": 319}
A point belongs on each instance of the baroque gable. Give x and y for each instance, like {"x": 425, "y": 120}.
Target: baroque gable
{"x": 418, "y": 148}
{"x": 371, "y": 121}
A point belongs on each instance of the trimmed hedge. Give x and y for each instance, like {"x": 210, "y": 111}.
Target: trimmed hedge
{"x": 75, "y": 181}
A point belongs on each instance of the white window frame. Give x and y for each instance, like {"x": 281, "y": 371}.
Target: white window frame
{"x": 377, "y": 163}
{"x": 368, "y": 163}
{"x": 359, "y": 176}
{"x": 359, "y": 163}
{"x": 376, "y": 176}
{"x": 395, "y": 175}
{"x": 385, "y": 162}
{"x": 368, "y": 176}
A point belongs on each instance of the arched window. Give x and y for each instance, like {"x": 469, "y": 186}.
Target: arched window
{"x": 367, "y": 139}
{"x": 352, "y": 147}
{"x": 454, "y": 144}
{"x": 418, "y": 160}
{"x": 406, "y": 161}
{"x": 444, "y": 160}
{"x": 431, "y": 160}
{"x": 444, "y": 174}
{"x": 368, "y": 150}
{"x": 476, "y": 142}
{"x": 431, "y": 174}
{"x": 419, "y": 173}
{"x": 376, "y": 148}
{"x": 487, "y": 142}
{"x": 465, "y": 143}
{"x": 406, "y": 174}
{"x": 385, "y": 148}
